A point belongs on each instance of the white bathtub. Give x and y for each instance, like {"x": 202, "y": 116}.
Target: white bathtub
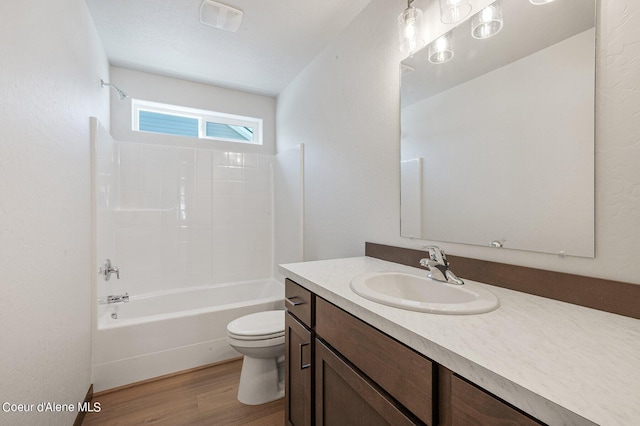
{"x": 163, "y": 333}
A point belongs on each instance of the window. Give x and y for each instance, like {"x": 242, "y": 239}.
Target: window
{"x": 196, "y": 123}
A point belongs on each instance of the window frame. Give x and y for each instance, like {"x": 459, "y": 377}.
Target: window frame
{"x": 203, "y": 117}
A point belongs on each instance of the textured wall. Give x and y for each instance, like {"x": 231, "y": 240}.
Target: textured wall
{"x": 50, "y": 67}
{"x": 344, "y": 108}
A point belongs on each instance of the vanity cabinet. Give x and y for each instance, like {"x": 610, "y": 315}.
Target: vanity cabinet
{"x": 342, "y": 371}
{"x": 463, "y": 403}
{"x": 401, "y": 372}
{"x": 345, "y": 397}
{"x": 298, "y": 355}
{"x": 298, "y": 372}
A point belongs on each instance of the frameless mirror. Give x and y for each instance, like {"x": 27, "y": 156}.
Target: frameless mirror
{"x": 497, "y": 145}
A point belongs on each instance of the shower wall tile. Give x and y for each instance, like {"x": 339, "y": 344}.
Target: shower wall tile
{"x": 236, "y": 159}
{"x": 225, "y": 188}
{"x": 185, "y": 217}
{"x": 251, "y": 160}
{"x": 227, "y": 173}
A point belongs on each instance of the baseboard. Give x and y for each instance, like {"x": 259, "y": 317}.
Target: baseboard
{"x": 87, "y": 400}
{"x": 128, "y": 371}
{"x": 165, "y": 376}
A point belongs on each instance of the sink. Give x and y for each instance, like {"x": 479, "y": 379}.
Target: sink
{"x": 422, "y": 294}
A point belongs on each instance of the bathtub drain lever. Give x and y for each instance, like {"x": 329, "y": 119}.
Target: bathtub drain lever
{"x": 120, "y": 298}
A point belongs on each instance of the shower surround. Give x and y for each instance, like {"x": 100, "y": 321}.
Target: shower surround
{"x": 186, "y": 217}
{"x": 178, "y": 222}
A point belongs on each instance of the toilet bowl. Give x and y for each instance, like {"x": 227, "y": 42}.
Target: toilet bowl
{"x": 260, "y": 338}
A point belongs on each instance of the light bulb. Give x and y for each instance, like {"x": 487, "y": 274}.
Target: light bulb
{"x": 441, "y": 49}
{"x": 409, "y": 27}
{"x": 488, "y": 22}
{"x": 410, "y": 31}
{"x": 453, "y": 11}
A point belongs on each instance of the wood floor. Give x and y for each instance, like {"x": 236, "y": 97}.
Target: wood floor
{"x": 203, "y": 397}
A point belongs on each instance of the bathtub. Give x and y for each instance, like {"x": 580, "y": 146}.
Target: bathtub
{"x": 162, "y": 333}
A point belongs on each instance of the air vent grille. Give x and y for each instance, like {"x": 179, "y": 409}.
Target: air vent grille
{"x": 220, "y": 16}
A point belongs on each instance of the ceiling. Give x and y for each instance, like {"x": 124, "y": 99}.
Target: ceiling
{"x": 275, "y": 42}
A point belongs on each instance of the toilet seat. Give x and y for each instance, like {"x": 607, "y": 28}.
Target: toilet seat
{"x": 258, "y": 337}
{"x": 255, "y": 343}
{"x": 258, "y": 326}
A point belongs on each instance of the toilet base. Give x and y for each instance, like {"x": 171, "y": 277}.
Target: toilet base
{"x": 260, "y": 381}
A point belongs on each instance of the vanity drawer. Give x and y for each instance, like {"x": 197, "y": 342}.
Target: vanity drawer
{"x": 298, "y": 300}
{"x": 406, "y": 375}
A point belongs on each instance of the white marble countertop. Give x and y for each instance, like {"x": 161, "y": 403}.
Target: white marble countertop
{"x": 561, "y": 363}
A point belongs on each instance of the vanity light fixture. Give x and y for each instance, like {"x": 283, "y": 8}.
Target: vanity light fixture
{"x": 487, "y": 22}
{"x": 441, "y": 49}
{"x": 410, "y": 29}
{"x": 539, "y": 2}
{"x": 454, "y": 11}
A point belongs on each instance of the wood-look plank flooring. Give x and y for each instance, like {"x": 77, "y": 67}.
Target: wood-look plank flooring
{"x": 202, "y": 397}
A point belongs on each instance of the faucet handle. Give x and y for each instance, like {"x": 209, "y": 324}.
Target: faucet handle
{"x": 107, "y": 269}
{"x": 437, "y": 254}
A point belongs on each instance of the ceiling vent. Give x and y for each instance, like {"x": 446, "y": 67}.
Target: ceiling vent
{"x": 220, "y": 16}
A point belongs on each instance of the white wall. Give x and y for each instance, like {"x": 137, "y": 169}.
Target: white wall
{"x": 344, "y": 107}
{"x": 156, "y": 88}
{"x": 51, "y": 65}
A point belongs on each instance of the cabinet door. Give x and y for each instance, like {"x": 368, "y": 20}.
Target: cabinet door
{"x": 403, "y": 373}
{"x": 344, "y": 397}
{"x": 473, "y": 406}
{"x": 298, "y": 373}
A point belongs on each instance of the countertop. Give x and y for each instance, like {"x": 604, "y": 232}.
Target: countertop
{"x": 561, "y": 363}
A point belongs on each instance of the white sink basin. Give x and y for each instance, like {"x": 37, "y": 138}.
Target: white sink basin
{"x": 416, "y": 293}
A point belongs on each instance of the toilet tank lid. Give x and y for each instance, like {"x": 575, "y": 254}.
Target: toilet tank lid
{"x": 258, "y": 324}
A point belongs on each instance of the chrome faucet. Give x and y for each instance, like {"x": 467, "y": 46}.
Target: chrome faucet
{"x": 438, "y": 266}
{"x": 106, "y": 270}
{"x": 121, "y": 298}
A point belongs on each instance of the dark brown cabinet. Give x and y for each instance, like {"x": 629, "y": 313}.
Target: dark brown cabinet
{"x": 342, "y": 371}
{"x": 299, "y": 302}
{"x": 400, "y": 371}
{"x": 468, "y": 405}
{"x": 298, "y": 355}
{"x": 298, "y": 373}
{"x": 345, "y": 397}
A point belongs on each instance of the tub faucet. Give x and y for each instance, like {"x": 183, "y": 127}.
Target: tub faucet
{"x": 438, "y": 266}
{"x": 107, "y": 269}
{"x": 121, "y": 298}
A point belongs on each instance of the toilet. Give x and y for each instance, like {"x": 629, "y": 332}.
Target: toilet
{"x": 260, "y": 338}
